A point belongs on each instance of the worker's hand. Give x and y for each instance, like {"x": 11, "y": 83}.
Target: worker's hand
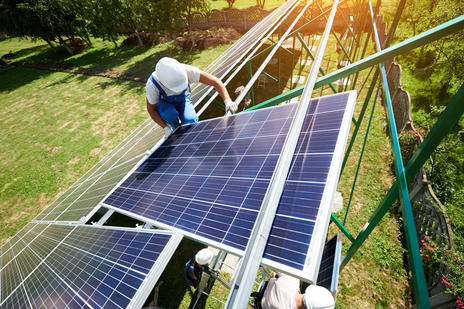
{"x": 167, "y": 131}
{"x": 230, "y": 105}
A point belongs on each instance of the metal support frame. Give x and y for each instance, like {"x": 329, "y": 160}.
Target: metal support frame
{"x": 275, "y": 28}
{"x": 421, "y": 39}
{"x": 361, "y": 155}
{"x": 242, "y": 286}
{"x": 447, "y": 120}
{"x": 277, "y": 46}
{"x": 337, "y": 38}
{"x": 417, "y": 270}
{"x": 306, "y": 47}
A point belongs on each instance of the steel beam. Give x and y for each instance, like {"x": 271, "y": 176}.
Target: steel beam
{"x": 246, "y": 273}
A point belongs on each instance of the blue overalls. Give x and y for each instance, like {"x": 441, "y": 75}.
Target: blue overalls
{"x": 174, "y": 107}
{"x": 197, "y": 271}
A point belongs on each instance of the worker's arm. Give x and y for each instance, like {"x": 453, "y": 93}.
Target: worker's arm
{"x": 211, "y": 80}
{"x": 154, "y": 114}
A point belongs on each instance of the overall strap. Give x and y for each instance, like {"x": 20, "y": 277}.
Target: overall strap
{"x": 157, "y": 85}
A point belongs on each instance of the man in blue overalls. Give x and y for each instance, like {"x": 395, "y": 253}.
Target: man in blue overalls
{"x": 168, "y": 95}
{"x": 196, "y": 265}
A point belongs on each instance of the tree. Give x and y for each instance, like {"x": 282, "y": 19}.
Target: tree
{"x": 230, "y": 3}
{"x": 50, "y": 20}
{"x": 187, "y": 7}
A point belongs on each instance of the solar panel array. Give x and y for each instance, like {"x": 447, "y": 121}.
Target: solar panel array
{"x": 83, "y": 197}
{"x": 80, "y": 201}
{"x": 208, "y": 179}
{"x": 330, "y": 263}
{"x": 58, "y": 266}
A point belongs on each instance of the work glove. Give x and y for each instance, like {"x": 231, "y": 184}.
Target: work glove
{"x": 230, "y": 105}
{"x": 167, "y": 131}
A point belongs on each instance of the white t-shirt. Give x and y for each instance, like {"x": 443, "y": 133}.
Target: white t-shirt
{"x": 280, "y": 293}
{"x": 193, "y": 76}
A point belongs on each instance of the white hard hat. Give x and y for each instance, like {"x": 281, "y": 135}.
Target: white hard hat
{"x": 171, "y": 74}
{"x": 204, "y": 256}
{"x": 318, "y": 297}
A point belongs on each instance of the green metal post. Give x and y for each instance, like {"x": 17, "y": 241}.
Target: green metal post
{"x": 417, "y": 270}
{"x": 342, "y": 228}
{"x": 360, "y": 119}
{"x": 303, "y": 43}
{"x": 361, "y": 155}
{"x": 447, "y": 120}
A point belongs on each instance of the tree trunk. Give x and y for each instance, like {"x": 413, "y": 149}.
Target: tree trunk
{"x": 138, "y": 37}
{"x": 86, "y": 39}
{"x": 189, "y": 22}
{"x": 66, "y": 47}
{"x": 113, "y": 40}
{"x": 192, "y": 38}
{"x": 50, "y": 43}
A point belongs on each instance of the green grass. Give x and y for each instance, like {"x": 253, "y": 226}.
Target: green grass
{"x": 103, "y": 56}
{"x": 57, "y": 125}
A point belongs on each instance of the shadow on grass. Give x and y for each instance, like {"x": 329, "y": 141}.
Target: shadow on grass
{"x": 101, "y": 61}
{"x": 18, "y": 77}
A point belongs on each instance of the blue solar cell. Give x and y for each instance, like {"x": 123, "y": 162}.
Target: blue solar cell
{"x": 79, "y": 266}
{"x": 326, "y": 268}
{"x": 209, "y": 179}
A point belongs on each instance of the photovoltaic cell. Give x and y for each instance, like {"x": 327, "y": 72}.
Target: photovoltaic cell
{"x": 299, "y": 212}
{"x": 208, "y": 179}
{"x": 328, "y": 270}
{"x": 58, "y": 266}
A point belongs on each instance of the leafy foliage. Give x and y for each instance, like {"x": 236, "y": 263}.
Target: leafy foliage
{"x": 432, "y": 74}
{"x": 63, "y": 20}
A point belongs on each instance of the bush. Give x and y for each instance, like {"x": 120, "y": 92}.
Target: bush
{"x": 433, "y": 255}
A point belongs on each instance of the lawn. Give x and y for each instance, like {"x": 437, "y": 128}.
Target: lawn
{"x": 59, "y": 124}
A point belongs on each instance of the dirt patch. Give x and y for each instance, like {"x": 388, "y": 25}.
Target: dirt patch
{"x": 203, "y": 39}
{"x": 74, "y": 161}
{"x": 147, "y": 38}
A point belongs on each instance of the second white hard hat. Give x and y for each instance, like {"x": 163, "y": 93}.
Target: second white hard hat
{"x": 204, "y": 256}
{"x": 318, "y": 297}
{"x": 171, "y": 74}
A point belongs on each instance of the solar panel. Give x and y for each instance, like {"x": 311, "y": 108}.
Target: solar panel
{"x": 300, "y": 226}
{"x": 63, "y": 266}
{"x": 330, "y": 263}
{"x": 208, "y": 180}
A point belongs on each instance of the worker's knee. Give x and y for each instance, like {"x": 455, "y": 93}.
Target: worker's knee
{"x": 189, "y": 116}
{"x": 168, "y": 113}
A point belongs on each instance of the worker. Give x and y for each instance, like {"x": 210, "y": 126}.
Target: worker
{"x": 284, "y": 292}
{"x": 196, "y": 265}
{"x": 168, "y": 93}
